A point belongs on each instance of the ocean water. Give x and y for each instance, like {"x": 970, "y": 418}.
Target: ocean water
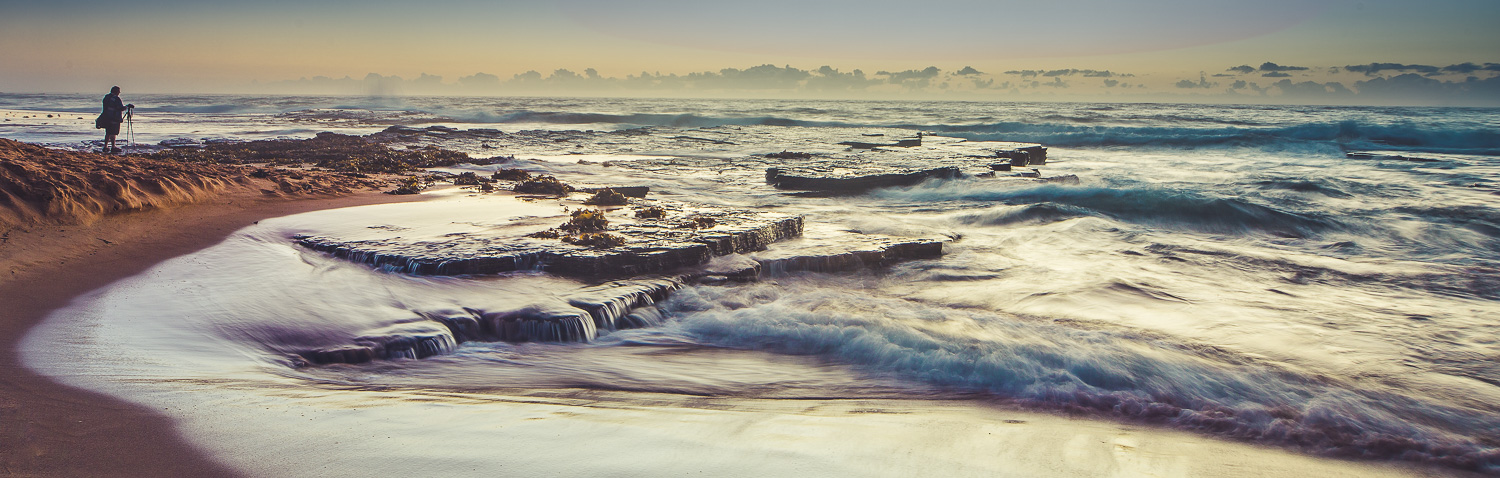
{"x": 1225, "y": 271}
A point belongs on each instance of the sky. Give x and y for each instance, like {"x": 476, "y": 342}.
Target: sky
{"x": 1442, "y": 52}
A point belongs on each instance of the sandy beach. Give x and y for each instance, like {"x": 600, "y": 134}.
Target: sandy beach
{"x": 56, "y": 430}
{"x": 88, "y": 233}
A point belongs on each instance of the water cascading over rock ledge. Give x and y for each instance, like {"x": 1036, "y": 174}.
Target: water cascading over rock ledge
{"x": 578, "y": 317}
{"x": 690, "y": 244}
{"x": 587, "y": 313}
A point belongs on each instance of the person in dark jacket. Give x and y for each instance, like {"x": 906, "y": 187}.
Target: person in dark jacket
{"x": 110, "y": 119}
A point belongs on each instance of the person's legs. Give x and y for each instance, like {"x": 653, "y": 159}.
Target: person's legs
{"x": 111, "y": 131}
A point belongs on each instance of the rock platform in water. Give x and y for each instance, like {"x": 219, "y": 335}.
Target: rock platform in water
{"x": 841, "y": 179}
{"x": 627, "y": 191}
{"x": 586, "y": 313}
{"x": 937, "y": 157}
{"x": 737, "y": 246}
{"x": 1025, "y": 156}
{"x": 1391, "y": 156}
{"x": 580, "y": 316}
{"x": 685, "y": 236}
{"x": 822, "y": 248}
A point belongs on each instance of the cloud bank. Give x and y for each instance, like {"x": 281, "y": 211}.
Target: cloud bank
{"x": 1468, "y": 83}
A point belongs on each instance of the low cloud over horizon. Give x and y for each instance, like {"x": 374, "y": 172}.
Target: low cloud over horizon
{"x": 1076, "y": 50}
{"x": 1461, "y": 84}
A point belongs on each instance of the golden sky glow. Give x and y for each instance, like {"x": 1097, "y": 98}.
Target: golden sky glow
{"x": 180, "y": 46}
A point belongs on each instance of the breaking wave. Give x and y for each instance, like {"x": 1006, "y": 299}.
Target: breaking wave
{"x": 1153, "y": 206}
{"x": 1032, "y": 213}
{"x": 1170, "y": 126}
{"x": 1117, "y": 373}
{"x": 1160, "y": 132}
{"x": 1346, "y": 134}
{"x": 1323, "y": 186}
{"x": 687, "y": 120}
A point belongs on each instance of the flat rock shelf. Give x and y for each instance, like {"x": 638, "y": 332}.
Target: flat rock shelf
{"x": 822, "y": 248}
{"x": 852, "y": 180}
{"x": 939, "y": 158}
{"x": 682, "y": 238}
{"x": 667, "y": 245}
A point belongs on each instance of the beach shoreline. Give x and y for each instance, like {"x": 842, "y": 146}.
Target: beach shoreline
{"x": 65, "y": 431}
{"x": 52, "y": 429}
{"x": 145, "y": 302}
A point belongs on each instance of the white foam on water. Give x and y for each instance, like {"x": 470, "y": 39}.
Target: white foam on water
{"x": 1252, "y": 284}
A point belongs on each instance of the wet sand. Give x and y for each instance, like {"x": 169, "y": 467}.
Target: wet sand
{"x": 48, "y": 429}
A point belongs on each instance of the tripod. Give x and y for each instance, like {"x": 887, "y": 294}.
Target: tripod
{"x": 130, "y": 126}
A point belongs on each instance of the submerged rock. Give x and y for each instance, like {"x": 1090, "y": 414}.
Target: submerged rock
{"x": 824, "y": 248}
{"x": 1393, "y": 157}
{"x": 179, "y": 143}
{"x": 841, "y": 180}
{"x": 1069, "y": 179}
{"x": 875, "y": 256}
{"x": 627, "y": 191}
{"x": 900, "y": 143}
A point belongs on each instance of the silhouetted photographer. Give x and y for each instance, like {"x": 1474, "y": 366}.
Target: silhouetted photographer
{"x": 115, "y": 112}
